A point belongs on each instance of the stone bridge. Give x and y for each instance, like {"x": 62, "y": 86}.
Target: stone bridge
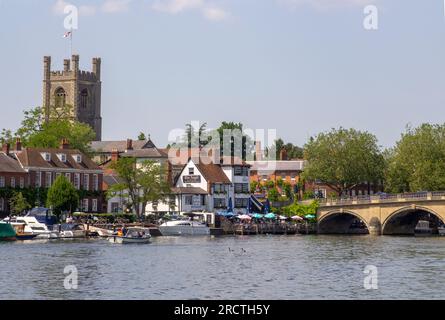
{"x": 387, "y": 214}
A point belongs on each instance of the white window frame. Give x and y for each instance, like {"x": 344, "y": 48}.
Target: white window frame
{"x": 86, "y": 181}
{"x": 95, "y": 182}
{"x": 62, "y": 157}
{"x": 13, "y": 184}
{"x": 2, "y": 182}
{"x": 76, "y": 181}
{"x": 38, "y": 181}
{"x": 68, "y": 176}
{"x": 85, "y": 205}
{"x": 48, "y": 182}
{"x": 94, "y": 205}
{"x": 22, "y": 182}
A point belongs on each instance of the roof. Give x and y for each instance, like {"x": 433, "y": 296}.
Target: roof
{"x": 145, "y": 153}
{"x": 188, "y": 190}
{"x": 111, "y": 179}
{"x": 121, "y": 146}
{"x": 272, "y": 166}
{"x": 213, "y": 173}
{"x": 32, "y": 157}
{"x": 9, "y": 164}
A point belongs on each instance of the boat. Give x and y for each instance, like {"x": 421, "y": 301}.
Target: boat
{"x": 72, "y": 231}
{"x": 21, "y": 233}
{"x": 32, "y": 227}
{"x": 132, "y": 235}
{"x": 184, "y": 228}
{"x": 441, "y": 230}
{"x": 423, "y": 229}
{"x": 7, "y": 232}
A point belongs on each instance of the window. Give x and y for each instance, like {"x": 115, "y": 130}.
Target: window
{"x": 241, "y": 188}
{"x": 48, "y": 178}
{"x": 293, "y": 175}
{"x": 86, "y": 182}
{"x": 46, "y": 156}
{"x": 219, "y": 203}
{"x": 68, "y": 176}
{"x": 77, "y": 158}
{"x": 38, "y": 179}
{"x": 2, "y": 204}
{"x": 22, "y": 182}
{"x": 77, "y": 180}
{"x": 283, "y": 175}
{"x": 84, "y": 99}
{"x": 2, "y": 182}
{"x": 60, "y": 98}
{"x": 85, "y": 205}
{"x": 94, "y": 205}
{"x": 219, "y": 188}
{"x": 95, "y": 182}
{"x": 12, "y": 182}
{"x": 191, "y": 170}
{"x": 237, "y": 171}
{"x": 115, "y": 207}
{"x": 62, "y": 157}
{"x": 241, "y": 202}
{"x": 188, "y": 200}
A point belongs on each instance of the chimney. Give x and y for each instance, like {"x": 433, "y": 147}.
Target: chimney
{"x": 258, "y": 151}
{"x": 114, "y": 155}
{"x": 64, "y": 144}
{"x": 129, "y": 144}
{"x": 283, "y": 154}
{"x": 18, "y": 144}
{"x": 5, "y": 148}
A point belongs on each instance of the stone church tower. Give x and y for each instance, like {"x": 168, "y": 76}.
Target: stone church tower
{"x": 79, "y": 89}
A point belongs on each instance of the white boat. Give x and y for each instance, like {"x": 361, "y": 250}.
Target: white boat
{"x": 31, "y": 226}
{"x": 184, "y": 228}
{"x": 132, "y": 235}
{"x": 441, "y": 230}
{"x": 73, "y": 231}
{"x": 423, "y": 229}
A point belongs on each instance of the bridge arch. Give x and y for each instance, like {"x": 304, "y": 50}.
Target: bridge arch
{"x": 342, "y": 221}
{"x": 404, "y": 220}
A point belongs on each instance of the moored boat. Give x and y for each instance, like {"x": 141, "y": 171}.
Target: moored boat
{"x": 423, "y": 229}
{"x": 132, "y": 235}
{"x": 32, "y": 228}
{"x": 184, "y": 228}
{"x": 7, "y": 232}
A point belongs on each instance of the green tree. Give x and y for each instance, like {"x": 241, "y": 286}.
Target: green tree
{"x": 18, "y": 203}
{"x": 293, "y": 151}
{"x": 417, "y": 162}
{"x": 142, "y": 136}
{"x": 62, "y": 196}
{"x": 343, "y": 158}
{"x": 36, "y": 132}
{"x": 141, "y": 182}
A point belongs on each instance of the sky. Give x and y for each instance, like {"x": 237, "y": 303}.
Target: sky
{"x": 297, "y": 66}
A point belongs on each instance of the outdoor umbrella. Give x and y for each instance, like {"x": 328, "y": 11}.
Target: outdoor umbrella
{"x": 297, "y": 218}
{"x": 283, "y": 218}
{"x": 244, "y": 217}
{"x": 309, "y": 216}
{"x": 230, "y": 205}
{"x": 270, "y": 216}
{"x": 257, "y": 216}
{"x": 267, "y": 206}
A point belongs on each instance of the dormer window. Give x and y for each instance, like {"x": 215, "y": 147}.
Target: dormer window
{"x": 77, "y": 158}
{"x": 62, "y": 157}
{"x": 46, "y": 156}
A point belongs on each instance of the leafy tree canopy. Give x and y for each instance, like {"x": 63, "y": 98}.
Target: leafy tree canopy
{"x": 62, "y": 196}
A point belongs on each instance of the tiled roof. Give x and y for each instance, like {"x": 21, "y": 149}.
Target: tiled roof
{"x": 9, "y": 164}
{"x": 32, "y": 157}
{"x": 213, "y": 173}
{"x": 121, "y": 146}
{"x": 271, "y": 166}
{"x": 144, "y": 153}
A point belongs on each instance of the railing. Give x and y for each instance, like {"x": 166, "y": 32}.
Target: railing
{"x": 383, "y": 197}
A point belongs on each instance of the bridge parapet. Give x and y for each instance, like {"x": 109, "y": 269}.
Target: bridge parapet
{"x": 383, "y": 198}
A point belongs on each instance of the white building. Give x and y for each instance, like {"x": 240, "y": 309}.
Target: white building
{"x": 204, "y": 187}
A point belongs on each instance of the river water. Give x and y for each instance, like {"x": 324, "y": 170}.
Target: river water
{"x": 255, "y": 267}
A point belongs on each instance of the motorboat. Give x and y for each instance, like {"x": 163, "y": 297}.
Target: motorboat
{"x": 131, "y": 235}
{"x": 7, "y": 232}
{"x": 184, "y": 228}
{"x": 423, "y": 229}
{"x": 72, "y": 231}
{"x": 32, "y": 228}
{"x": 21, "y": 234}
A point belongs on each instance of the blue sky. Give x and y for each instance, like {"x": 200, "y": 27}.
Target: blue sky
{"x": 297, "y": 66}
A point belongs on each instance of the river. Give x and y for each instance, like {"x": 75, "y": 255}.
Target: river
{"x": 250, "y": 267}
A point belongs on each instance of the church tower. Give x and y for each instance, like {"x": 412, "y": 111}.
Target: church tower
{"x": 79, "y": 89}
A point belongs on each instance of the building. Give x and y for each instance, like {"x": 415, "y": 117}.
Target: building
{"x": 44, "y": 165}
{"x": 205, "y": 186}
{"x": 12, "y": 176}
{"x": 79, "y": 89}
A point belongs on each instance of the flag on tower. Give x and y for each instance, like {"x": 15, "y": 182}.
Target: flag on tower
{"x": 67, "y": 34}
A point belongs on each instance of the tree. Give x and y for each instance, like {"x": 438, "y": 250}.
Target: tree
{"x": 18, "y": 203}
{"x": 236, "y": 135}
{"x": 142, "y": 136}
{"x": 343, "y": 159}
{"x": 141, "y": 182}
{"x": 62, "y": 196}
{"x": 417, "y": 162}
{"x": 36, "y": 132}
{"x": 293, "y": 151}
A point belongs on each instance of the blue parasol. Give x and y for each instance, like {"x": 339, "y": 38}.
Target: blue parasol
{"x": 230, "y": 206}
{"x": 267, "y": 206}
{"x": 270, "y": 216}
{"x": 257, "y": 216}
